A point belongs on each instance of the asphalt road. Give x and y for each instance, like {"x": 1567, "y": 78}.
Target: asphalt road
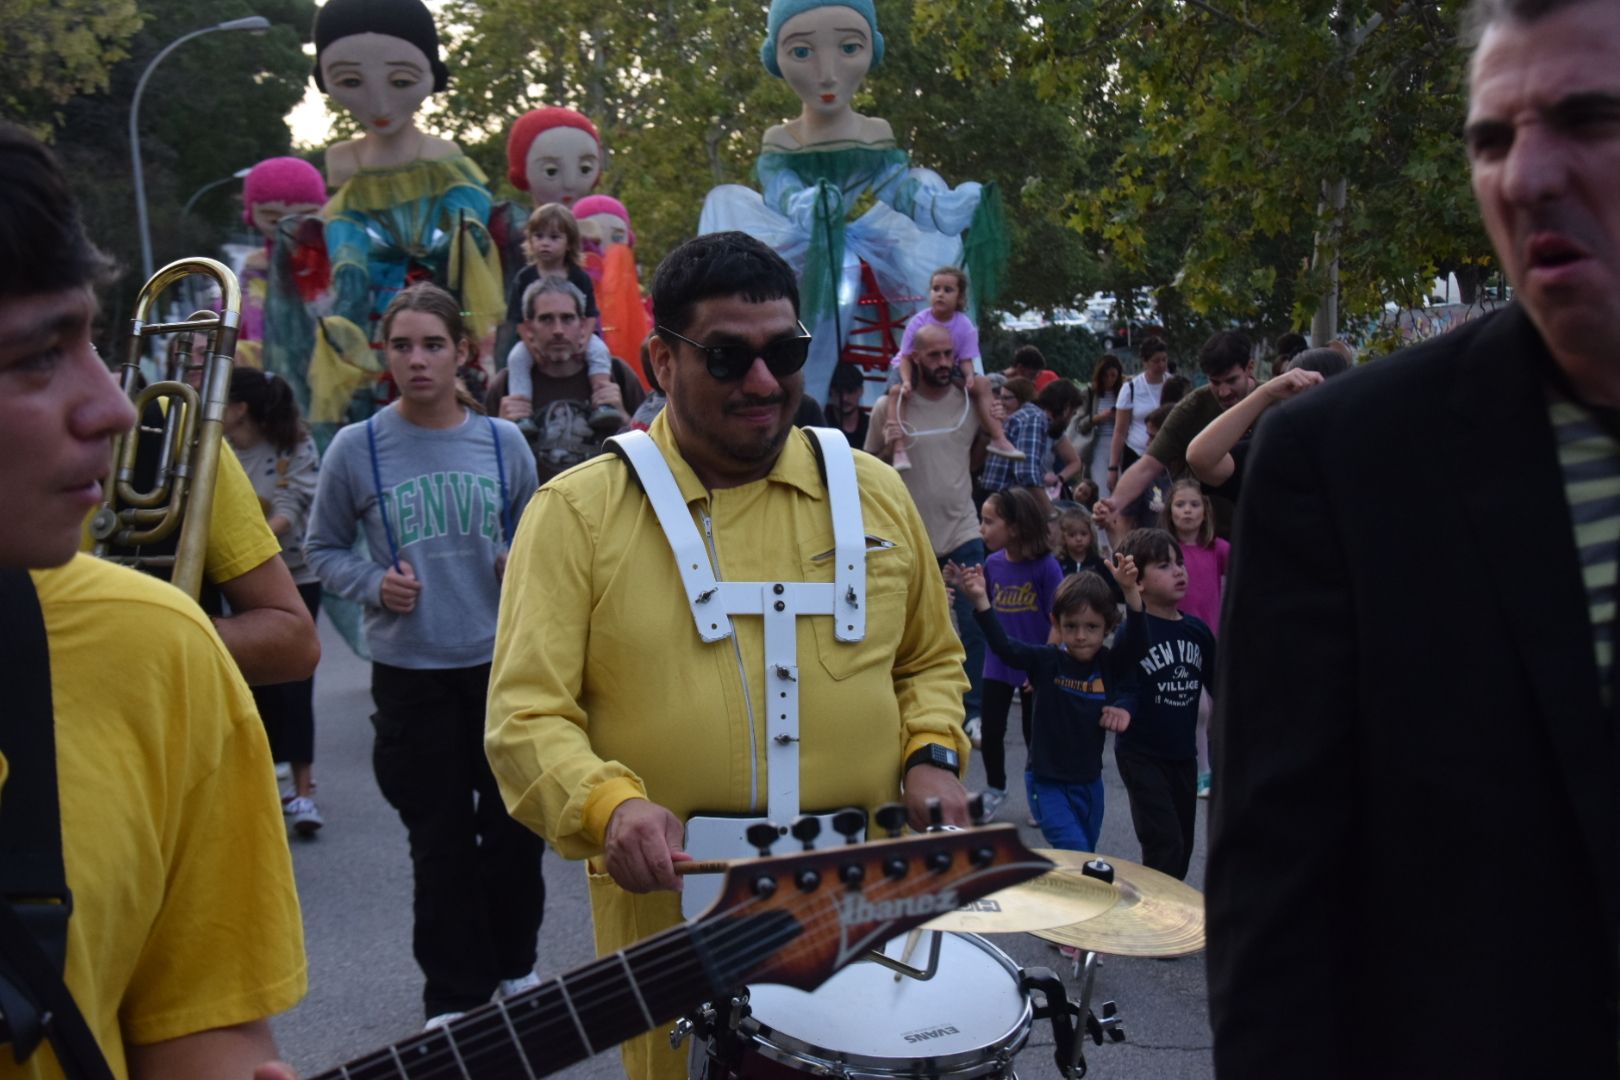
{"x": 365, "y": 990}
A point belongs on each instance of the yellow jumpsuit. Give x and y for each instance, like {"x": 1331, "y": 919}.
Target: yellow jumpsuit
{"x": 602, "y": 691}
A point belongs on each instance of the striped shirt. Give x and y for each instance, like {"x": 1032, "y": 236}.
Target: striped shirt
{"x": 1589, "y": 457}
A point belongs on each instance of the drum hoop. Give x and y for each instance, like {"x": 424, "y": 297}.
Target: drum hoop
{"x": 797, "y": 1053}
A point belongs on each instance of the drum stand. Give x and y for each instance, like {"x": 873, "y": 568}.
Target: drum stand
{"x": 1052, "y": 1003}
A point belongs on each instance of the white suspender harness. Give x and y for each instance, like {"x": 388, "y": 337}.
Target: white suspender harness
{"x": 781, "y": 604}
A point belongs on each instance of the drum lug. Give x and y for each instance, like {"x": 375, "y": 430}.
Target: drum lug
{"x": 701, "y": 1022}
{"x": 737, "y": 1011}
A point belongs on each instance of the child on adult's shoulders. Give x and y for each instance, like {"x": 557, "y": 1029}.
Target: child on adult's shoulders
{"x": 947, "y": 306}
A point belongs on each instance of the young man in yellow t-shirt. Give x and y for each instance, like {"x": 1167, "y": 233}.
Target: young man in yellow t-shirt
{"x": 185, "y": 933}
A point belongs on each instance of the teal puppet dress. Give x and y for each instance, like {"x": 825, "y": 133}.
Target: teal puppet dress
{"x": 915, "y": 223}
{"x": 388, "y": 228}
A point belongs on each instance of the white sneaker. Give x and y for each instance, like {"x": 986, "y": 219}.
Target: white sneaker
{"x": 301, "y": 812}
{"x": 513, "y": 987}
{"x": 284, "y": 782}
{"x": 442, "y": 1020}
{"x": 971, "y": 725}
{"x": 992, "y": 802}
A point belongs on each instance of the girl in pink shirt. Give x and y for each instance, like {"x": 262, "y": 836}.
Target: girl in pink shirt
{"x": 1191, "y": 520}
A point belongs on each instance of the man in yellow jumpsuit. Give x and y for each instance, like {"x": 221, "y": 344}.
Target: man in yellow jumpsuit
{"x": 610, "y": 721}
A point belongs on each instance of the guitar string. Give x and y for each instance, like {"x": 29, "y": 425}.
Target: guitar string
{"x": 499, "y": 1040}
{"x": 690, "y": 972}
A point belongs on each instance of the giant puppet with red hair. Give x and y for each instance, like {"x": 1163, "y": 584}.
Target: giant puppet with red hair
{"x": 555, "y": 154}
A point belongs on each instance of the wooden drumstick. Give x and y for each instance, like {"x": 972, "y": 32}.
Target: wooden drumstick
{"x": 703, "y": 866}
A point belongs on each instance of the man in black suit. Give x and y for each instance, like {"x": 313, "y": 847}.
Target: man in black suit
{"x": 1415, "y": 860}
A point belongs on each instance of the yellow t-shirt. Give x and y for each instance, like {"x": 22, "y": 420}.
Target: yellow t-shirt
{"x": 185, "y": 912}
{"x": 239, "y": 539}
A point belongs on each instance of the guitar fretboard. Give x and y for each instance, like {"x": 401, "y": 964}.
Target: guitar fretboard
{"x": 573, "y": 1016}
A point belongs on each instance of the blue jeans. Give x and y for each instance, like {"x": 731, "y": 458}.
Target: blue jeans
{"x": 969, "y": 554}
{"x": 1071, "y": 815}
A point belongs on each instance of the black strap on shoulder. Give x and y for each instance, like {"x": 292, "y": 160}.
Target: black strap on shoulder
{"x": 35, "y": 903}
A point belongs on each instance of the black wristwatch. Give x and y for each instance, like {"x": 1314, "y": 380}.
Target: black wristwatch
{"x": 940, "y": 757}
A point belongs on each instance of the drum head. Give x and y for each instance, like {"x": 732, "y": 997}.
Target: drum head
{"x": 965, "y": 1021}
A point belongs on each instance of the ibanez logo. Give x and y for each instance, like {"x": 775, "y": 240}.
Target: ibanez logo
{"x": 855, "y": 909}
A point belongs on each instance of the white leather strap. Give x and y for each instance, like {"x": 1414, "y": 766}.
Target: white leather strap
{"x": 691, "y": 555}
{"x": 849, "y": 534}
{"x": 780, "y": 604}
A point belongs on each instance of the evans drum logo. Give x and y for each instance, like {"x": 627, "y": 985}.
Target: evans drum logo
{"x": 924, "y": 1034}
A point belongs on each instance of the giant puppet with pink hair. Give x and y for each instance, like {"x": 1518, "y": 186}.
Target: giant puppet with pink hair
{"x": 280, "y": 280}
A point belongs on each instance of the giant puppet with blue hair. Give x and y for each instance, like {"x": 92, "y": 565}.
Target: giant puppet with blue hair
{"x": 813, "y": 171}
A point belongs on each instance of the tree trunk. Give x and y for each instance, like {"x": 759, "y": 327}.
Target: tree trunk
{"x": 1325, "y": 323}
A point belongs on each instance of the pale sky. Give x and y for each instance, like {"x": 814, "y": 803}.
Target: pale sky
{"x": 311, "y": 127}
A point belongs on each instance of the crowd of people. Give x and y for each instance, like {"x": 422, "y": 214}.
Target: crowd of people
{"x": 849, "y": 626}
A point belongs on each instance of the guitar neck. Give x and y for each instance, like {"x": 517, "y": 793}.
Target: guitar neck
{"x": 588, "y": 1010}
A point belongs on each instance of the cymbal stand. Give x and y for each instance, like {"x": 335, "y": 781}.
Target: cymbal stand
{"x": 1071, "y": 1021}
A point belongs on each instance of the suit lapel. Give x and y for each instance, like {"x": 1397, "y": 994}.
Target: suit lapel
{"x": 1507, "y": 462}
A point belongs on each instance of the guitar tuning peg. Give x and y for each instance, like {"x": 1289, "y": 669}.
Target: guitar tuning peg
{"x": 762, "y": 834}
{"x": 848, "y": 824}
{"x": 891, "y": 818}
{"x": 976, "y": 808}
{"x": 936, "y": 814}
{"x": 805, "y": 830}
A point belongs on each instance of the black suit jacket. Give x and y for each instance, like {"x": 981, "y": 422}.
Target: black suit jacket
{"x": 1415, "y": 857}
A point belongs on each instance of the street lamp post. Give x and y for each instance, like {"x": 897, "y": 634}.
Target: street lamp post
{"x": 252, "y": 22}
{"x": 185, "y": 212}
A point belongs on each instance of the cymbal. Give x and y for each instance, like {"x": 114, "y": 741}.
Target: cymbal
{"x": 1056, "y": 898}
{"x": 1156, "y": 915}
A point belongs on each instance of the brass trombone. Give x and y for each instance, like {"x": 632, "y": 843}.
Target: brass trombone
{"x": 182, "y": 493}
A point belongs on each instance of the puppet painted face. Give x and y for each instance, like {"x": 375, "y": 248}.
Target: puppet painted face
{"x": 562, "y": 166}
{"x": 266, "y": 215}
{"x": 824, "y": 54}
{"x": 381, "y": 80}
{"x": 609, "y": 228}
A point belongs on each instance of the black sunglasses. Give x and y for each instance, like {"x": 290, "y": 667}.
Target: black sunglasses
{"x": 726, "y": 363}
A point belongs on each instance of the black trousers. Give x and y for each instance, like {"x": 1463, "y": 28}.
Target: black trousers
{"x": 994, "y": 704}
{"x": 479, "y": 894}
{"x": 1164, "y": 805}
{"x": 288, "y": 709}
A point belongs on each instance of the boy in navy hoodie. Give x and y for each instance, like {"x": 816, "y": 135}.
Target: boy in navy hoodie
{"x": 1079, "y": 694}
{"x": 1174, "y": 660}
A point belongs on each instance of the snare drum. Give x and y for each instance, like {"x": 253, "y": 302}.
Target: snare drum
{"x": 868, "y": 1021}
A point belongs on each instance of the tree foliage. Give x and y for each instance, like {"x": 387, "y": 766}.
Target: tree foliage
{"x": 681, "y": 99}
{"x": 214, "y": 106}
{"x": 56, "y": 49}
{"x": 1226, "y": 119}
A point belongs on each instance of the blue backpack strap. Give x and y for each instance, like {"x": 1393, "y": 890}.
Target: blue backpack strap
{"x": 500, "y": 473}
{"x": 382, "y": 503}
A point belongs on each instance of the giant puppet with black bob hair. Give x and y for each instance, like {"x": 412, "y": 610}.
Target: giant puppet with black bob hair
{"x": 408, "y": 206}
{"x": 814, "y": 169}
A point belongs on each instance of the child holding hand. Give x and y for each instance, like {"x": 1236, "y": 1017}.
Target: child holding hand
{"x": 1174, "y": 660}
{"x": 1081, "y": 692}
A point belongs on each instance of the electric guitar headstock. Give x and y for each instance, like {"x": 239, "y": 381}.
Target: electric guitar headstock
{"x": 797, "y": 919}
